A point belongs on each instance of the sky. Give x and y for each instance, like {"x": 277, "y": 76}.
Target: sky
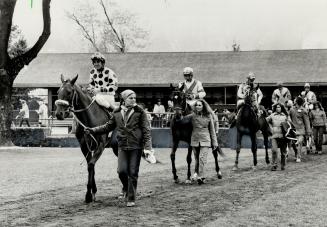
{"x": 192, "y": 25}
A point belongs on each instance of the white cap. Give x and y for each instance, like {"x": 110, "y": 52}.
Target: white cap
{"x": 306, "y": 85}
{"x": 188, "y": 70}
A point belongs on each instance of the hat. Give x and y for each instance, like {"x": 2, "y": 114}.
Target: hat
{"x": 279, "y": 84}
{"x": 306, "y": 85}
{"x": 251, "y": 76}
{"x": 22, "y": 101}
{"x": 125, "y": 94}
{"x": 99, "y": 56}
{"x": 187, "y": 70}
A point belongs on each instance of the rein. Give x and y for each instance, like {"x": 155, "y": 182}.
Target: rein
{"x": 72, "y": 110}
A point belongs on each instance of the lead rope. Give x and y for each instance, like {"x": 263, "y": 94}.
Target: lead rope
{"x": 71, "y": 109}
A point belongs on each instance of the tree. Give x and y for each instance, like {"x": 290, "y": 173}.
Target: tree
{"x": 10, "y": 66}
{"x": 116, "y": 30}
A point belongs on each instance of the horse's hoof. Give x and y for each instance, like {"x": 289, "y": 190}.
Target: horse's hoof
{"x": 88, "y": 198}
{"x": 188, "y": 181}
{"x": 254, "y": 168}
{"x": 235, "y": 168}
{"x": 93, "y": 197}
{"x": 219, "y": 175}
{"x": 176, "y": 181}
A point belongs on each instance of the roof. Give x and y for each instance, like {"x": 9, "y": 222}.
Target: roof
{"x": 293, "y": 67}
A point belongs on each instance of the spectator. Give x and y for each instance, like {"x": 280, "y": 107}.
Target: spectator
{"x": 158, "y": 111}
{"x": 24, "y": 113}
{"x": 318, "y": 119}
{"x": 43, "y": 114}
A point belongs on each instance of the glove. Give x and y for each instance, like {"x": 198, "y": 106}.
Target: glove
{"x": 149, "y": 156}
{"x": 190, "y": 96}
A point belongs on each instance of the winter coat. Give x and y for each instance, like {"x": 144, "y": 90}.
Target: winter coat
{"x": 133, "y": 132}
{"x": 203, "y": 132}
{"x": 275, "y": 119}
{"x": 318, "y": 118}
{"x": 300, "y": 120}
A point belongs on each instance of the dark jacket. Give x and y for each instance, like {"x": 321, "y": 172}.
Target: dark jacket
{"x": 133, "y": 132}
{"x": 300, "y": 120}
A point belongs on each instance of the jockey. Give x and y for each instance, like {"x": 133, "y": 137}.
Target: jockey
{"x": 308, "y": 96}
{"x": 194, "y": 91}
{"x": 191, "y": 87}
{"x": 281, "y": 94}
{"x": 244, "y": 88}
{"x": 103, "y": 82}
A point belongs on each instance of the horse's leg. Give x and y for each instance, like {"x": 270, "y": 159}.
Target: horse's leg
{"x": 254, "y": 149}
{"x": 215, "y": 155}
{"x": 266, "y": 141}
{"x": 172, "y": 158}
{"x": 189, "y": 161}
{"x": 238, "y": 149}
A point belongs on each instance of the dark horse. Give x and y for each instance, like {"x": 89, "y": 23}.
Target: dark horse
{"x": 248, "y": 123}
{"x": 87, "y": 113}
{"x": 181, "y": 130}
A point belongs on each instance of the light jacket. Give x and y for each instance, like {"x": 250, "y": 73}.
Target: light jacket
{"x": 197, "y": 91}
{"x": 275, "y": 120}
{"x": 203, "y": 133}
{"x": 244, "y": 88}
{"x": 132, "y": 132}
{"x": 24, "y": 111}
{"x": 281, "y": 96}
{"x": 300, "y": 120}
{"x": 318, "y": 117}
{"x": 104, "y": 81}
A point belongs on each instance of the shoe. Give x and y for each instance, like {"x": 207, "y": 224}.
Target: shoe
{"x": 200, "y": 181}
{"x": 273, "y": 168}
{"x": 298, "y": 160}
{"x": 282, "y": 168}
{"x": 122, "y": 195}
{"x": 319, "y": 152}
{"x": 130, "y": 204}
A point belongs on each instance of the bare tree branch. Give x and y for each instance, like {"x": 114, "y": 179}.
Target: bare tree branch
{"x": 86, "y": 34}
{"x": 120, "y": 39}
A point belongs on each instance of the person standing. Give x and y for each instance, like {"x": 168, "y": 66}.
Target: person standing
{"x": 300, "y": 119}
{"x": 203, "y": 137}
{"x": 133, "y": 135}
{"x": 24, "y": 114}
{"x": 158, "y": 111}
{"x": 278, "y": 116}
{"x": 319, "y": 123}
{"x": 43, "y": 114}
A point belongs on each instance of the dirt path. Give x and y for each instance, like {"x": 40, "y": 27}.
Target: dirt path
{"x": 46, "y": 188}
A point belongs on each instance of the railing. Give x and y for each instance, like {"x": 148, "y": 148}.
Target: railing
{"x": 157, "y": 120}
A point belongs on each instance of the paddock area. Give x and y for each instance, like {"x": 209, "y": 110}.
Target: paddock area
{"x": 46, "y": 187}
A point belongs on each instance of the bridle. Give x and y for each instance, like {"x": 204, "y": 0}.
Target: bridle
{"x": 71, "y": 109}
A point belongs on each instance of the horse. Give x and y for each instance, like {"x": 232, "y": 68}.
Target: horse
{"x": 181, "y": 130}
{"x": 248, "y": 123}
{"x": 87, "y": 113}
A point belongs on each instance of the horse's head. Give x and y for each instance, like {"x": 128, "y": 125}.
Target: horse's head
{"x": 179, "y": 99}
{"x": 65, "y": 97}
